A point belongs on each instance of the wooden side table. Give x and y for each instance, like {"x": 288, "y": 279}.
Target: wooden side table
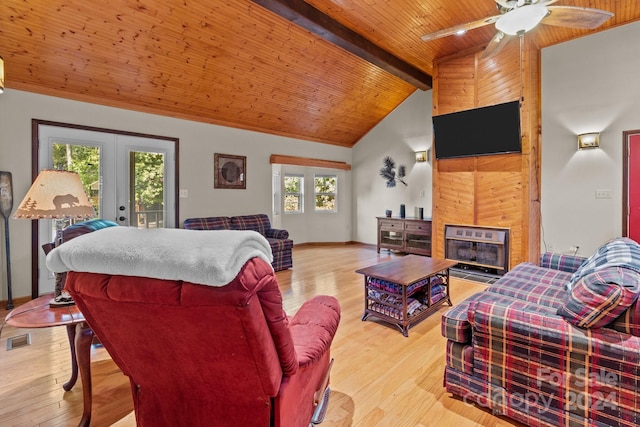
{"x": 37, "y": 314}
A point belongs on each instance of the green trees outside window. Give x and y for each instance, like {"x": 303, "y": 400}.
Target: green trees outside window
{"x": 325, "y": 189}
{"x": 293, "y": 193}
{"x": 146, "y": 180}
{"x": 85, "y": 160}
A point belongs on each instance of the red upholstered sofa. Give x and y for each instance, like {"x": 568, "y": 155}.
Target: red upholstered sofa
{"x": 204, "y": 355}
{"x": 281, "y": 245}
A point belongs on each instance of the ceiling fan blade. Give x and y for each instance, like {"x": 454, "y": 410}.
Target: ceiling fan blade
{"x": 511, "y": 4}
{"x": 576, "y": 17}
{"x": 462, "y": 27}
{"x": 496, "y": 44}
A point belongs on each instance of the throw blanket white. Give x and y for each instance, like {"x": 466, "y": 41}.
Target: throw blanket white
{"x": 204, "y": 257}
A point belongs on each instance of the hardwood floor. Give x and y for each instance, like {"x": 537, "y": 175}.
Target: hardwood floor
{"x": 379, "y": 377}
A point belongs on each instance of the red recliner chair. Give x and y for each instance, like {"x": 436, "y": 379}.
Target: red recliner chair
{"x": 213, "y": 356}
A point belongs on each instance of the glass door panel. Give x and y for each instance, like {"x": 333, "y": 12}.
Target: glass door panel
{"x": 85, "y": 160}
{"x": 417, "y": 241}
{"x": 392, "y": 237}
{"x": 147, "y": 189}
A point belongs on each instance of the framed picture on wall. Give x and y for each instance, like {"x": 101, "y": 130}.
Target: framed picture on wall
{"x": 229, "y": 171}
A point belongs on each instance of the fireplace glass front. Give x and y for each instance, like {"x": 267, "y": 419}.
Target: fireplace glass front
{"x": 478, "y": 248}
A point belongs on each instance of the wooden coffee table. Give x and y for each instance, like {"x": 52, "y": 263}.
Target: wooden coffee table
{"x": 37, "y": 314}
{"x": 406, "y": 290}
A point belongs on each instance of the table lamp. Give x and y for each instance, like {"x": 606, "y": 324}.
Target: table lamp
{"x": 58, "y": 195}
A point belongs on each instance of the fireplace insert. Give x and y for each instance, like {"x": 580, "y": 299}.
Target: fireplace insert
{"x": 480, "y": 248}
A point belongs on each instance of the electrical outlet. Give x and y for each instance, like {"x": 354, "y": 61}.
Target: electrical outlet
{"x": 604, "y": 194}
{"x": 184, "y": 193}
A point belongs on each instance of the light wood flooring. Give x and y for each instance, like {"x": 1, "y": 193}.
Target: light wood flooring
{"x": 379, "y": 377}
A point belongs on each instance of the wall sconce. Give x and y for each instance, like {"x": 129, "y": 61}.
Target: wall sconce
{"x": 1, "y": 74}
{"x": 589, "y": 140}
{"x": 421, "y": 156}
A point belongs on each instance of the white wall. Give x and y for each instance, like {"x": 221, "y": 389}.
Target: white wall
{"x": 312, "y": 226}
{"x": 588, "y": 84}
{"x": 403, "y": 132}
{"x": 198, "y": 143}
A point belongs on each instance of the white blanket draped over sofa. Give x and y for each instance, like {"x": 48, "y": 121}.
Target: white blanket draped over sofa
{"x": 211, "y": 258}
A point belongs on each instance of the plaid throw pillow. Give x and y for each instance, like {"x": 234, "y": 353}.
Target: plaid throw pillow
{"x": 619, "y": 252}
{"x": 601, "y": 296}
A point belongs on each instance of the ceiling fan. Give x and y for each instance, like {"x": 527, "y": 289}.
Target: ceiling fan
{"x": 519, "y": 16}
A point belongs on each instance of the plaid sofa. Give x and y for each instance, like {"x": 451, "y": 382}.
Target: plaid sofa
{"x": 281, "y": 245}
{"x": 516, "y": 350}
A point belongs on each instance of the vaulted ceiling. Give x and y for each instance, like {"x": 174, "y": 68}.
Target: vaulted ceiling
{"x": 328, "y": 71}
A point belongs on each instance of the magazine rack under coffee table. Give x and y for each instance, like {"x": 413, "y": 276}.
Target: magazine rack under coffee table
{"x": 406, "y": 290}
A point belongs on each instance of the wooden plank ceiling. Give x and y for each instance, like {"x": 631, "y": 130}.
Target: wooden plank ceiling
{"x": 235, "y": 63}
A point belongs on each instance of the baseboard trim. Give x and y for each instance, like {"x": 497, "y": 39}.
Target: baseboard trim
{"x": 316, "y": 244}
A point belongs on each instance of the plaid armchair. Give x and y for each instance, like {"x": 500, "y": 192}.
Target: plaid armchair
{"x": 516, "y": 348}
{"x": 281, "y": 245}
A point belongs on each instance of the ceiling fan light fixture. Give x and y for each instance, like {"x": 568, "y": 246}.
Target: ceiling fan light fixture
{"x": 522, "y": 19}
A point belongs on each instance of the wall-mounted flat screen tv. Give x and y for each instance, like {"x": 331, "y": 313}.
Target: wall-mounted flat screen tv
{"x": 481, "y": 131}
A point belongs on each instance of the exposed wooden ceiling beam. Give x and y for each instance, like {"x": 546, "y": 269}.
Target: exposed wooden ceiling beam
{"x": 305, "y": 161}
{"x": 313, "y": 20}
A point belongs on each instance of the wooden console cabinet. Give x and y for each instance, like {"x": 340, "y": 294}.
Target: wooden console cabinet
{"x": 410, "y": 235}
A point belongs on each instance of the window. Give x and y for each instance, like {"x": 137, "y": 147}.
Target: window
{"x": 325, "y": 192}
{"x": 293, "y": 193}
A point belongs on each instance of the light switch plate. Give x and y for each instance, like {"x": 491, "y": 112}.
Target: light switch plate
{"x": 604, "y": 194}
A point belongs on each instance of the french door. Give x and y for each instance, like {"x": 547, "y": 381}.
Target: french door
{"x": 130, "y": 179}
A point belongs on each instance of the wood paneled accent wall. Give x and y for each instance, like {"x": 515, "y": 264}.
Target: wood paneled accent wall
{"x": 497, "y": 190}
